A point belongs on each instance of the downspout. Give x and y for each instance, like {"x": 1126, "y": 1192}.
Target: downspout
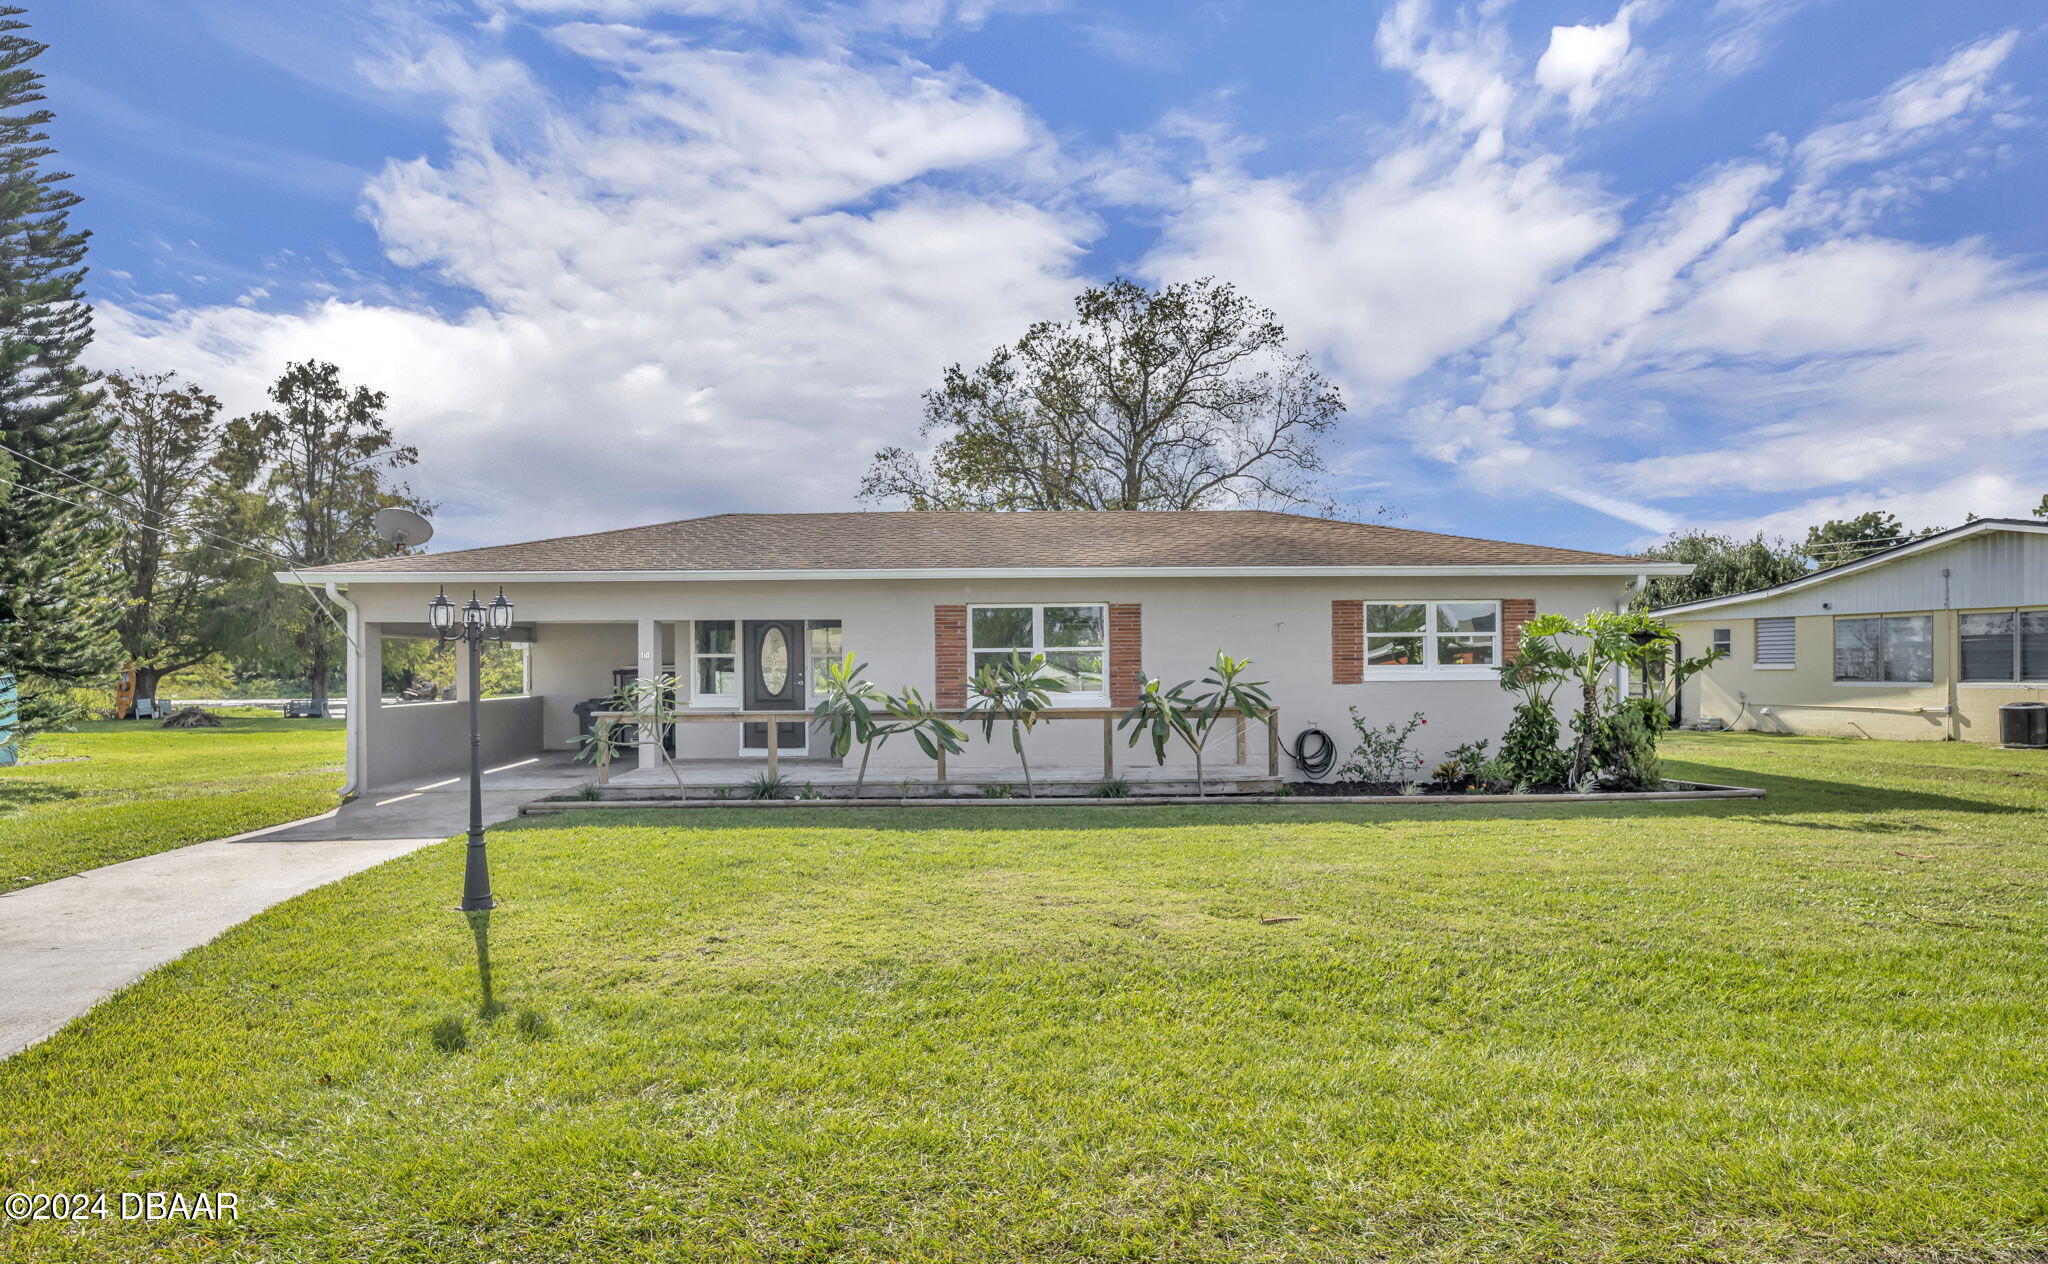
{"x": 352, "y": 761}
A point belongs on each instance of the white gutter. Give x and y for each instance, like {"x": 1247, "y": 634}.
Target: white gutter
{"x": 1637, "y": 569}
{"x": 352, "y": 760}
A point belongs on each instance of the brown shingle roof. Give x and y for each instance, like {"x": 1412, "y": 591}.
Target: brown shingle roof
{"x": 1026, "y": 541}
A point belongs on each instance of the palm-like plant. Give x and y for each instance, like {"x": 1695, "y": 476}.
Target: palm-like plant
{"x": 1018, "y": 691}
{"x": 933, "y": 732}
{"x": 648, "y": 703}
{"x": 1163, "y": 714}
{"x": 846, "y": 707}
{"x": 1604, "y": 640}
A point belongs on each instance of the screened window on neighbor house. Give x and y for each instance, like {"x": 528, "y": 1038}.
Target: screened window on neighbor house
{"x": 1431, "y": 636}
{"x": 2005, "y": 645}
{"x": 826, "y": 648}
{"x": 715, "y": 662}
{"x": 1777, "y": 642}
{"x": 1074, "y": 640}
{"x": 1894, "y": 648}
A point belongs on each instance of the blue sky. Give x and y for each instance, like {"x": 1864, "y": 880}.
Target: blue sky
{"x": 1586, "y": 272}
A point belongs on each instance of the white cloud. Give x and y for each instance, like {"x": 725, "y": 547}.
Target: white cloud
{"x": 730, "y": 272}
{"x": 1583, "y": 63}
{"x": 1916, "y": 109}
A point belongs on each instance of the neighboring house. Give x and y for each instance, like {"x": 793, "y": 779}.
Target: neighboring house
{"x": 1924, "y": 640}
{"x": 744, "y": 608}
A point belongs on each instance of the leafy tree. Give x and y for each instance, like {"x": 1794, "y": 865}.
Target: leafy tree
{"x": 1018, "y": 690}
{"x": 58, "y": 591}
{"x": 315, "y": 468}
{"x": 933, "y": 733}
{"x": 1184, "y": 397}
{"x": 2041, "y": 510}
{"x": 175, "y": 564}
{"x": 1723, "y": 565}
{"x": 1841, "y": 540}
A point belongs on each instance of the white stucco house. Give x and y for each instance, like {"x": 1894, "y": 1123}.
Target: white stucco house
{"x": 1926, "y": 640}
{"x": 742, "y": 609}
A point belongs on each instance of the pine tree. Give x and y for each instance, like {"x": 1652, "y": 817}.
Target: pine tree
{"x": 58, "y": 600}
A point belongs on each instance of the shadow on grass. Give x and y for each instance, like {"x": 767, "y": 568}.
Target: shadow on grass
{"x": 30, "y": 794}
{"x": 480, "y": 930}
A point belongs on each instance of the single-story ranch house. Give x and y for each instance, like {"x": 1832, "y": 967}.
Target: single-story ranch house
{"x": 1924, "y": 640}
{"x": 744, "y": 608}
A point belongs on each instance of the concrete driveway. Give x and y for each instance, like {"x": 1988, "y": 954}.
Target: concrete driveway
{"x": 67, "y": 945}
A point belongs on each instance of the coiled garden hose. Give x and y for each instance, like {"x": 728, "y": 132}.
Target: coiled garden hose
{"x": 1313, "y": 752}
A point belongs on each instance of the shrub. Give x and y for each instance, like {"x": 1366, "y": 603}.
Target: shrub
{"x": 1381, "y": 754}
{"x": 1629, "y": 745}
{"x": 1528, "y": 751}
{"x": 765, "y": 785}
{"x": 1114, "y": 788}
{"x": 999, "y": 790}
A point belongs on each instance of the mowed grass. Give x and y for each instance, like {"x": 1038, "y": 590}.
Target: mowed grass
{"x": 1805, "y": 1028}
{"x": 117, "y": 790}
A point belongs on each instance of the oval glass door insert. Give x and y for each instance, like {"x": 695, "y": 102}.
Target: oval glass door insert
{"x": 774, "y": 661}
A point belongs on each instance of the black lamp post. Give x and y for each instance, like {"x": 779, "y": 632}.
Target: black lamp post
{"x": 478, "y": 623}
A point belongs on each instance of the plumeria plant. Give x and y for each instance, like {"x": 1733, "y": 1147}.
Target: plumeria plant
{"x": 1018, "y": 690}
{"x": 1163, "y": 714}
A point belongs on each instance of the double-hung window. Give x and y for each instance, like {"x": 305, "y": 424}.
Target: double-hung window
{"x": 1723, "y": 641}
{"x": 714, "y": 664}
{"x": 1885, "y": 650}
{"x": 1425, "y": 637}
{"x": 1074, "y": 640}
{"x": 2005, "y": 645}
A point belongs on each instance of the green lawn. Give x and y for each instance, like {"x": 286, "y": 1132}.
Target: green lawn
{"x": 114, "y": 791}
{"x": 1804, "y": 1028}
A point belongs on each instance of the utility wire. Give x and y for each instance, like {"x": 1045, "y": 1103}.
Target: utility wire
{"x": 319, "y": 599}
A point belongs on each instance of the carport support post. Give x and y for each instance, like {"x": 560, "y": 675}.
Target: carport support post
{"x": 476, "y": 868}
{"x": 650, "y": 670}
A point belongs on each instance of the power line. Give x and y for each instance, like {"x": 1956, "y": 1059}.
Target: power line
{"x": 319, "y": 601}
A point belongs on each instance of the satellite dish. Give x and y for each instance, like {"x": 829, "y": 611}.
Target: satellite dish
{"x": 402, "y": 527}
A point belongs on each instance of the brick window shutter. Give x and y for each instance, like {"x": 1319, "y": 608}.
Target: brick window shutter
{"x": 949, "y": 643}
{"x": 1514, "y": 612}
{"x": 1347, "y": 642}
{"x": 1126, "y": 654}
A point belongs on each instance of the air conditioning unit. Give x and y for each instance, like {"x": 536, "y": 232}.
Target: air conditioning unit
{"x": 2023, "y": 724}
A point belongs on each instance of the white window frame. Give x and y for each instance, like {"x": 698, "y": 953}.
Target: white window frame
{"x": 1038, "y": 646}
{"x": 811, "y": 661}
{"x": 1429, "y": 668}
{"x": 2019, "y": 678}
{"x": 1723, "y": 641}
{"x": 1834, "y": 651}
{"x": 700, "y": 699}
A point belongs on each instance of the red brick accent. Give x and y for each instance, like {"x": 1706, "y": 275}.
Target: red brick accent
{"x": 1126, "y": 654}
{"x": 949, "y": 646}
{"x": 1514, "y": 612}
{"x": 1347, "y": 642}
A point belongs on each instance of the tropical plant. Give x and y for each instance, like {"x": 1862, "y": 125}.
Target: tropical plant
{"x": 1112, "y": 788}
{"x": 846, "y": 707}
{"x": 1602, "y": 640}
{"x": 998, "y": 790}
{"x": 934, "y": 734}
{"x": 1630, "y": 745}
{"x": 1017, "y": 690}
{"x": 1382, "y": 755}
{"x": 600, "y": 747}
{"x": 648, "y": 703}
{"x": 765, "y": 785}
{"x": 1163, "y": 714}
{"x": 1528, "y": 749}
{"x": 1468, "y": 761}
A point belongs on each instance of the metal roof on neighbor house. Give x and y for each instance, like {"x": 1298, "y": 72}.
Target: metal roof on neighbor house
{"x": 1037, "y": 541}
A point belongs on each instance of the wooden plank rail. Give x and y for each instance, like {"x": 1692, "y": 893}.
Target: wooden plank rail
{"x": 1108, "y": 715}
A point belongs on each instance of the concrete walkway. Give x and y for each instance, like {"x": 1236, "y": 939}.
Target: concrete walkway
{"x": 67, "y": 945}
